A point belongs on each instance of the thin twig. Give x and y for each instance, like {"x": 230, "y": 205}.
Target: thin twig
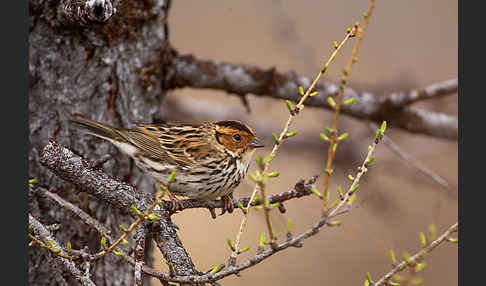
{"x": 361, "y": 171}
{"x": 419, "y": 255}
{"x": 55, "y": 251}
{"x": 266, "y": 209}
{"x": 276, "y": 146}
{"x": 89, "y": 220}
{"x": 406, "y": 156}
{"x": 140, "y": 218}
{"x": 333, "y": 141}
{"x": 47, "y": 238}
{"x": 92, "y": 222}
{"x": 86, "y": 218}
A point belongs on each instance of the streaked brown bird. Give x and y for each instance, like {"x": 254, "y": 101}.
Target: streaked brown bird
{"x": 210, "y": 159}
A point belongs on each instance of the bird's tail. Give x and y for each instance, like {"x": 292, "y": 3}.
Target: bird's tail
{"x": 98, "y": 129}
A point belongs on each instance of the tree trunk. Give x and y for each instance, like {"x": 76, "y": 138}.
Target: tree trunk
{"x": 107, "y": 71}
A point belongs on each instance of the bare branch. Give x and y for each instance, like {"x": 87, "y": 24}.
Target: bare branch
{"x": 41, "y": 231}
{"x": 72, "y": 168}
{"x": 435, "y": 90}
{"x": 86, "y": 218}
{"x": 86, "y": 12}
{"x": 404, "y": 155}
{"x": 241, "y": 79}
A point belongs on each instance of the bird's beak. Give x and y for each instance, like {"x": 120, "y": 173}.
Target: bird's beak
{"x": 255, "y": 143}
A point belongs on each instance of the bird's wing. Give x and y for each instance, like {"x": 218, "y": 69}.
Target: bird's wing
{"x": 186, "y": 145}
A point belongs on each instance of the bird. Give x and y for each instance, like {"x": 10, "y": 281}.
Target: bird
{"x": 210, "y": 159}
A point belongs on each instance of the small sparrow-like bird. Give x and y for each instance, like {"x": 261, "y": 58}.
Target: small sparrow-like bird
{"x": 210, "y": 159}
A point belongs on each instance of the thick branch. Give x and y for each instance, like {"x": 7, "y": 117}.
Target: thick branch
{"x": 72, "y": 168}
{"x": 41, "y": 231}
{"x": 86, "y": 12}
{"x": 240, "y": 79}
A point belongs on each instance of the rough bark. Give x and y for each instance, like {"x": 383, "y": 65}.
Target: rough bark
{"x": 104, "y": 70}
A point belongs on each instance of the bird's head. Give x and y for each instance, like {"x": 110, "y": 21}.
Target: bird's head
{"x": 237, "y": 138}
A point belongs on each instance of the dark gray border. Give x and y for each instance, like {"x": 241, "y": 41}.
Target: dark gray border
{"x": 14, "y": 116}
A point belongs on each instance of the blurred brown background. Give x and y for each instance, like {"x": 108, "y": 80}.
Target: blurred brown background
{"x": 409, "y": 44}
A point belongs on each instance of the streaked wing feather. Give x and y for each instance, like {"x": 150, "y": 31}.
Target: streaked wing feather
{"x": 183, "y": 144}
{"x": 151, "y": 146}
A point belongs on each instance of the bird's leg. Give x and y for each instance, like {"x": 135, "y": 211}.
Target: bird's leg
{"x": 227, "y": 203}
{"x": 101, "y": 161}
{"x": 176, "y": 204}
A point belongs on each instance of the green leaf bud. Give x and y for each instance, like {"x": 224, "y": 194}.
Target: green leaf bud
{"x": 343, "y": 136}
{"x": 423, "y": 240}
{"x": 350, "y": 101}
{"x": 152, "y": 216}
{"x": 288, "y": 103}
{"x": 273, "y": 174}
{"x": 301, "y": 90}
{"x": 103, "y": 242}
{"x": 230, "y": 244}
{"x": 392, "y": 256}
{"x": 172, "y": 176}
{"x": 316, "y": 192}
{"x": 245, "y": 249}
{"x": 331, "y": 102}
{"x": 291, "y": 134}
{"x": 324, "y": 137}
{"x": 289, "y": 225}
{"x": 217, "y": 268}
{"x": 135, "y": 210}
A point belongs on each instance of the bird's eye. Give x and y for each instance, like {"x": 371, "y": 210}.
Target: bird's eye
{"x": 237, "y": 137}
